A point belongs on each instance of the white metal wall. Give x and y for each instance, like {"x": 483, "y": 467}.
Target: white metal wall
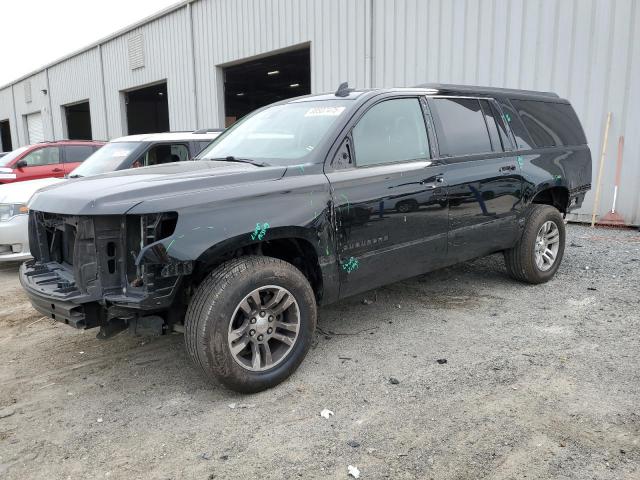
{"x": 166, "y": 57}
{"x": 81, "y": 80}
{"x": 585, "y": 50}
{"x": 6, "y": 113}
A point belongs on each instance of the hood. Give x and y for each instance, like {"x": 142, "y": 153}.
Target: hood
{"x": 21, "y": 192}
{"x": 118, "y": 192}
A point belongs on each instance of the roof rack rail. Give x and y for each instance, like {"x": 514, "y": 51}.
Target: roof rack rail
{"x": 209, "y": 130}
{"x": 70, "y": 140}
{"x": 476, "y": 88}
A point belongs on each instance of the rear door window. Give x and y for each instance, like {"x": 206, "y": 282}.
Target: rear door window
{"x": 77, "y": 153}
{"x": 462, "y": 127}
{"x": 391, "y": 131}
{"x": 494, "y": 136}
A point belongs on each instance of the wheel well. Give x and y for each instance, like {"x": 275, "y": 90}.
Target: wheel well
{"x": 297, "y": 251}
{"x": 557, "y": 197}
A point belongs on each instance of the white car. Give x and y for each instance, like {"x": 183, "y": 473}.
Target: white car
{"x": 14, "y": 235}
{"x": 126, "y": 152}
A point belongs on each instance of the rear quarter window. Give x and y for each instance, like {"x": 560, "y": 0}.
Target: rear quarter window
{"x": 550, "y": 124}
{"x": 511, "y": 118}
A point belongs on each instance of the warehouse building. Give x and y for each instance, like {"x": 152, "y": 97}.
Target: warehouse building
{"x": 205, "y": 63}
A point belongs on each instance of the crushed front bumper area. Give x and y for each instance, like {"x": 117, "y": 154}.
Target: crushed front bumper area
{"x": 51, "y": 293}
{"x": 51, "y": 290}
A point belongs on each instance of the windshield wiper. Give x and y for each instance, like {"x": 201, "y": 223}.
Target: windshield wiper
{"x": 231, "y": 158}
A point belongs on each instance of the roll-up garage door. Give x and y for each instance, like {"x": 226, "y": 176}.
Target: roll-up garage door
{"x": 35, "y": 128}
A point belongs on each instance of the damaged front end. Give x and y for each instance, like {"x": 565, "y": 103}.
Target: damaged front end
{"x": 109, "y": 271}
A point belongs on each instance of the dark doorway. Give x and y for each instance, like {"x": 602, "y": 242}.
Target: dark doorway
{"x": 5, "y": 136}
{"x": 78, "y": 121}
{"x": 147, "y": 109}
{"x": 259, "y": 82}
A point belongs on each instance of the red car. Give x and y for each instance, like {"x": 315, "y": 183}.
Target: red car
{"x": 46, "y": 159}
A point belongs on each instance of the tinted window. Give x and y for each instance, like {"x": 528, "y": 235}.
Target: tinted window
{"x": 77, "y": 153}
{"x": 43, "y": 156}
{"x": 523, "y": 141}
{"x": 550, "y": 124}
{"x": 200, "y": 145}
{"x": 164, "y": 153}
{"x": 496, "y": 143}
{"x": 464, "y": 130}
{"x": 502, "y": 130}
{"x": 391, "y": 131}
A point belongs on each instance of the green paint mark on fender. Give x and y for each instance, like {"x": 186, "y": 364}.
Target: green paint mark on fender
{"x": 520, "y": 160}
{"x": 350, "y": 265}
{"x": 260, "y": 231}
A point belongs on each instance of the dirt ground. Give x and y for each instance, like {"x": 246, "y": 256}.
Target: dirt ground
{"x": 539, "y": 382}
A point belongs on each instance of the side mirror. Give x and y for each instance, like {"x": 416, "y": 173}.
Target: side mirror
{"x": 21, "y": 164}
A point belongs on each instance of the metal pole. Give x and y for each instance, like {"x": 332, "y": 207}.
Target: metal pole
{"x": 596, "y": 201}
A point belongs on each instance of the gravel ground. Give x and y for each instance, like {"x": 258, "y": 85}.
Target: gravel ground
{"x": 539, "y": 382}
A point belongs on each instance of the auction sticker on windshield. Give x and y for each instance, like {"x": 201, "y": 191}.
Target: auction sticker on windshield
{"x": 324, "y": 111}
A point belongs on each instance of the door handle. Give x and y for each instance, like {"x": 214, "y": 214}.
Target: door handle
{"x": 433, "y": 184}
{"x": 507, "y": 168}
{"x": 57, "y": 170}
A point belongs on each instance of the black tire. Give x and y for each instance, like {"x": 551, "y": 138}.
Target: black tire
{"x": 520, "y": 260}
{"x": 211, "y": 310}
{"x": 407, "y": 206}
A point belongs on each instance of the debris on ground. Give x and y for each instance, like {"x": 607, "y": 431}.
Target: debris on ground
{"x": 353, "y": 471}
{"x": 394, "y": 381}
{"x": 353, "y": 443}
{"x": 367, "y": 301}
{"x": 441, "y": 361}
{"x": 99, "y": 420}
{"x": 233, "y": 406}
{"x": 326, "y": 413}
{"x": 6, "y": 412}
{"x": 592, "y": 288}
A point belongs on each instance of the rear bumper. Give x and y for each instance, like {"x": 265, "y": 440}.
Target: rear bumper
{"x": 14, "y": 239}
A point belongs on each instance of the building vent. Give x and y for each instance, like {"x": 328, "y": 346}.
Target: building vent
{"x": 136, "y": 52}
{"x": 27, "y": 91}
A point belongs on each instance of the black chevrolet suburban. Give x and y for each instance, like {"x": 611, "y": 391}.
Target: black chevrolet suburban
{"x": 300, "y": 204}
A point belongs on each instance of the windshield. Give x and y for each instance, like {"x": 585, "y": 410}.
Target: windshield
{"x": 11, "y": 156}
{"x": 105, "y": 160}
{"x": 278, "y": 135}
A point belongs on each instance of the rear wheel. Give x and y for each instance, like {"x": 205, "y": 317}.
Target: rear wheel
{"x": 251, "y": 322}
{"x": 537, "y": 255}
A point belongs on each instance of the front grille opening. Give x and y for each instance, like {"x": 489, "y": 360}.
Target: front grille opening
{"x": 111, "y": 249}
{"x": 167, "y": 225}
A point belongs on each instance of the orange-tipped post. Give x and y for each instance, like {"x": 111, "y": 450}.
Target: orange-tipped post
{"x": 613, "y": 218}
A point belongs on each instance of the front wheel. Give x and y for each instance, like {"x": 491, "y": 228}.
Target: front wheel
{"x": 537, "y": 255}
{"x": 251, "y": 322}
